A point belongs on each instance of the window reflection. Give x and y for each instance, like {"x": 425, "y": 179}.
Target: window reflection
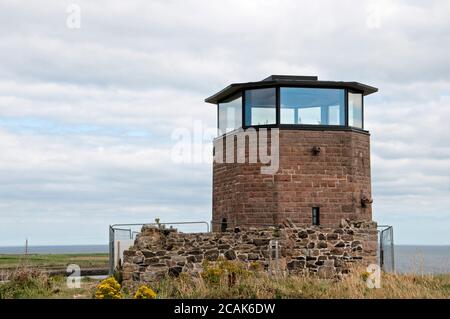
{"x": 314, "y": 106}
{"x": 355, "y": 110}
{"x": 230, "y": 114}
{"x": 260, "y": 107}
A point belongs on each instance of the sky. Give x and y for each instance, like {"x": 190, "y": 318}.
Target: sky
{"x": 88, "y": 111}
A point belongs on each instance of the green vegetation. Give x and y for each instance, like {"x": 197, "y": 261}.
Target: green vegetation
{"x": 33, "y": 284}
{"x": 228, "y": 280}
{"x": 261, "y": 285}
{"x": 53, "y": 261}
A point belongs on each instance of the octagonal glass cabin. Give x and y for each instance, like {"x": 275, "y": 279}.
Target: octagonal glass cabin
{"x": 301, "y": 102}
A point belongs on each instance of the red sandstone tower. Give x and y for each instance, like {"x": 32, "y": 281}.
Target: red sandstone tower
{"x": 316, "y": 135}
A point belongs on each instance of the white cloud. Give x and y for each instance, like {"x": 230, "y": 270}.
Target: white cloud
{"x": 86, "y": 115}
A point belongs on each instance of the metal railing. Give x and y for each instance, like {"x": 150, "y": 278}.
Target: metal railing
{"x": 386, "y": 254}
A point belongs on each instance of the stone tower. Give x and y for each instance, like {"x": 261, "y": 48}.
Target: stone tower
{"x": 315, "y": 132}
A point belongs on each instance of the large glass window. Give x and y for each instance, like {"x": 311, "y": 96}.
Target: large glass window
{"x": 230, "y": 114}
{"x": 355, "y": 112}
{"x": 312, "y": 106}
{"x": 260, "y": 107}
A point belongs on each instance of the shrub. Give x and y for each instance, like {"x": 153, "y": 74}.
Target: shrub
{"x": 108, "y": 289}
{"x": 118, "y": 276}
{"x": 26, "y": 283}
{"x": 212, "y": 274}
{"x": 145, "y": 292}
{"x": 365, "y": 275}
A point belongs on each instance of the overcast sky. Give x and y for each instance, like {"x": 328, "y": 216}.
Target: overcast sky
{"x": 87, "y": 115}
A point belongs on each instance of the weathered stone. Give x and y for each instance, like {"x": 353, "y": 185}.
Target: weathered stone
{"x": 347, "y": 237}
{"x": 152, "y": 260}
{"x": 302, "y": 234}
{"x": 175, "y": 271}
{"x": 230, "y": 254}
{"x": 138, "y": 259}
{"x": 148, "y": 253}
{"x": 322, "y": 244}
{"x": 337, "y": 251}
{"x": 212, "y": 255}
{"x": 356, "y": 243}
{"x": 295, "y": 264}
{"x": 129, "y": 253}
{"x": 194, "y": 252}
{"x": 340, "y": 244}
{"x": 332, "y": 236}
{"x": 154, "y": 274}
{"x": 261, "y": 241}
{"x": 253, "y": 256}
{"x": 301, "y": 250}
{"x": 190, "y": 259}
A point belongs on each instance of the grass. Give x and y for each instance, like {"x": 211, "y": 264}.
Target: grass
{"x": 34, "y": 284}
{"x": 261, "y": 285}
{"x": 52, "y": 261}
{"x": 29, "y": 283}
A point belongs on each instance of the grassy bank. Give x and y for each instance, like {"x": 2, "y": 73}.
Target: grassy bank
{"x": 53, "y": 261}
{"x": 353, "y": 286}
{"x": 249, "y": 285}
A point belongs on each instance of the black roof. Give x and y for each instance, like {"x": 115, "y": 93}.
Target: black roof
{"x": 289, "y": 80}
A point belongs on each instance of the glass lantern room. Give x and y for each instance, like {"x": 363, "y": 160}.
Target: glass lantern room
{"x": 301, "y": 102}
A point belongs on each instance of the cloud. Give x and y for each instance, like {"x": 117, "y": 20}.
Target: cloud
{"x": 86, "y": 115}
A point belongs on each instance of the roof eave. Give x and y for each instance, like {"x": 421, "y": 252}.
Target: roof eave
{"x": 235, "y": 87}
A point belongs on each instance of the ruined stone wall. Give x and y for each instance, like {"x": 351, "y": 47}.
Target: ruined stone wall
{"x": 327, "y": 252}
{"x": 336, "y": 180}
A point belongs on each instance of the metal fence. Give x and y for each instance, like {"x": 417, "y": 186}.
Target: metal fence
{"x": 386, "y": 248}
{"x": 122, "y": 236}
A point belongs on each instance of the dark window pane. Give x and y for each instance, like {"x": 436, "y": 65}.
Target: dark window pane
{"x": 312, "y": 106}
{"x": 315, "y": 216}
{"x": 260, "y": 107}
{"x": 230, "y": 114}
{"x": 355, "y": 110}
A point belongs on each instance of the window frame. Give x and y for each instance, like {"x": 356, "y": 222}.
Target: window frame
{"x": 278, "y": 124}
{"x": 345, "y": 92}
{"x": 236, "y": 96}
{"x": 277, "y": 107}
{"x": 362, "y": 110}
{"x": 316, "y": 217}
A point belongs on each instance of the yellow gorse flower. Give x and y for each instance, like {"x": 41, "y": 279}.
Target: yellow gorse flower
{"x": 108, "y": 288}
{"x": 145, "y": 292}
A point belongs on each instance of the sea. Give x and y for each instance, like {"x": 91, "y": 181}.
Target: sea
{"x": 408, "y": 259}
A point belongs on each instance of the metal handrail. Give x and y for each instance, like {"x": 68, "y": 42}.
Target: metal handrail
{"x": 156, "y": 224}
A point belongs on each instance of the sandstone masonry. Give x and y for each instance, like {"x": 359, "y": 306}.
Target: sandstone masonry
{"x": 326, "y": 252}
{"x": 336, "y": 179}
